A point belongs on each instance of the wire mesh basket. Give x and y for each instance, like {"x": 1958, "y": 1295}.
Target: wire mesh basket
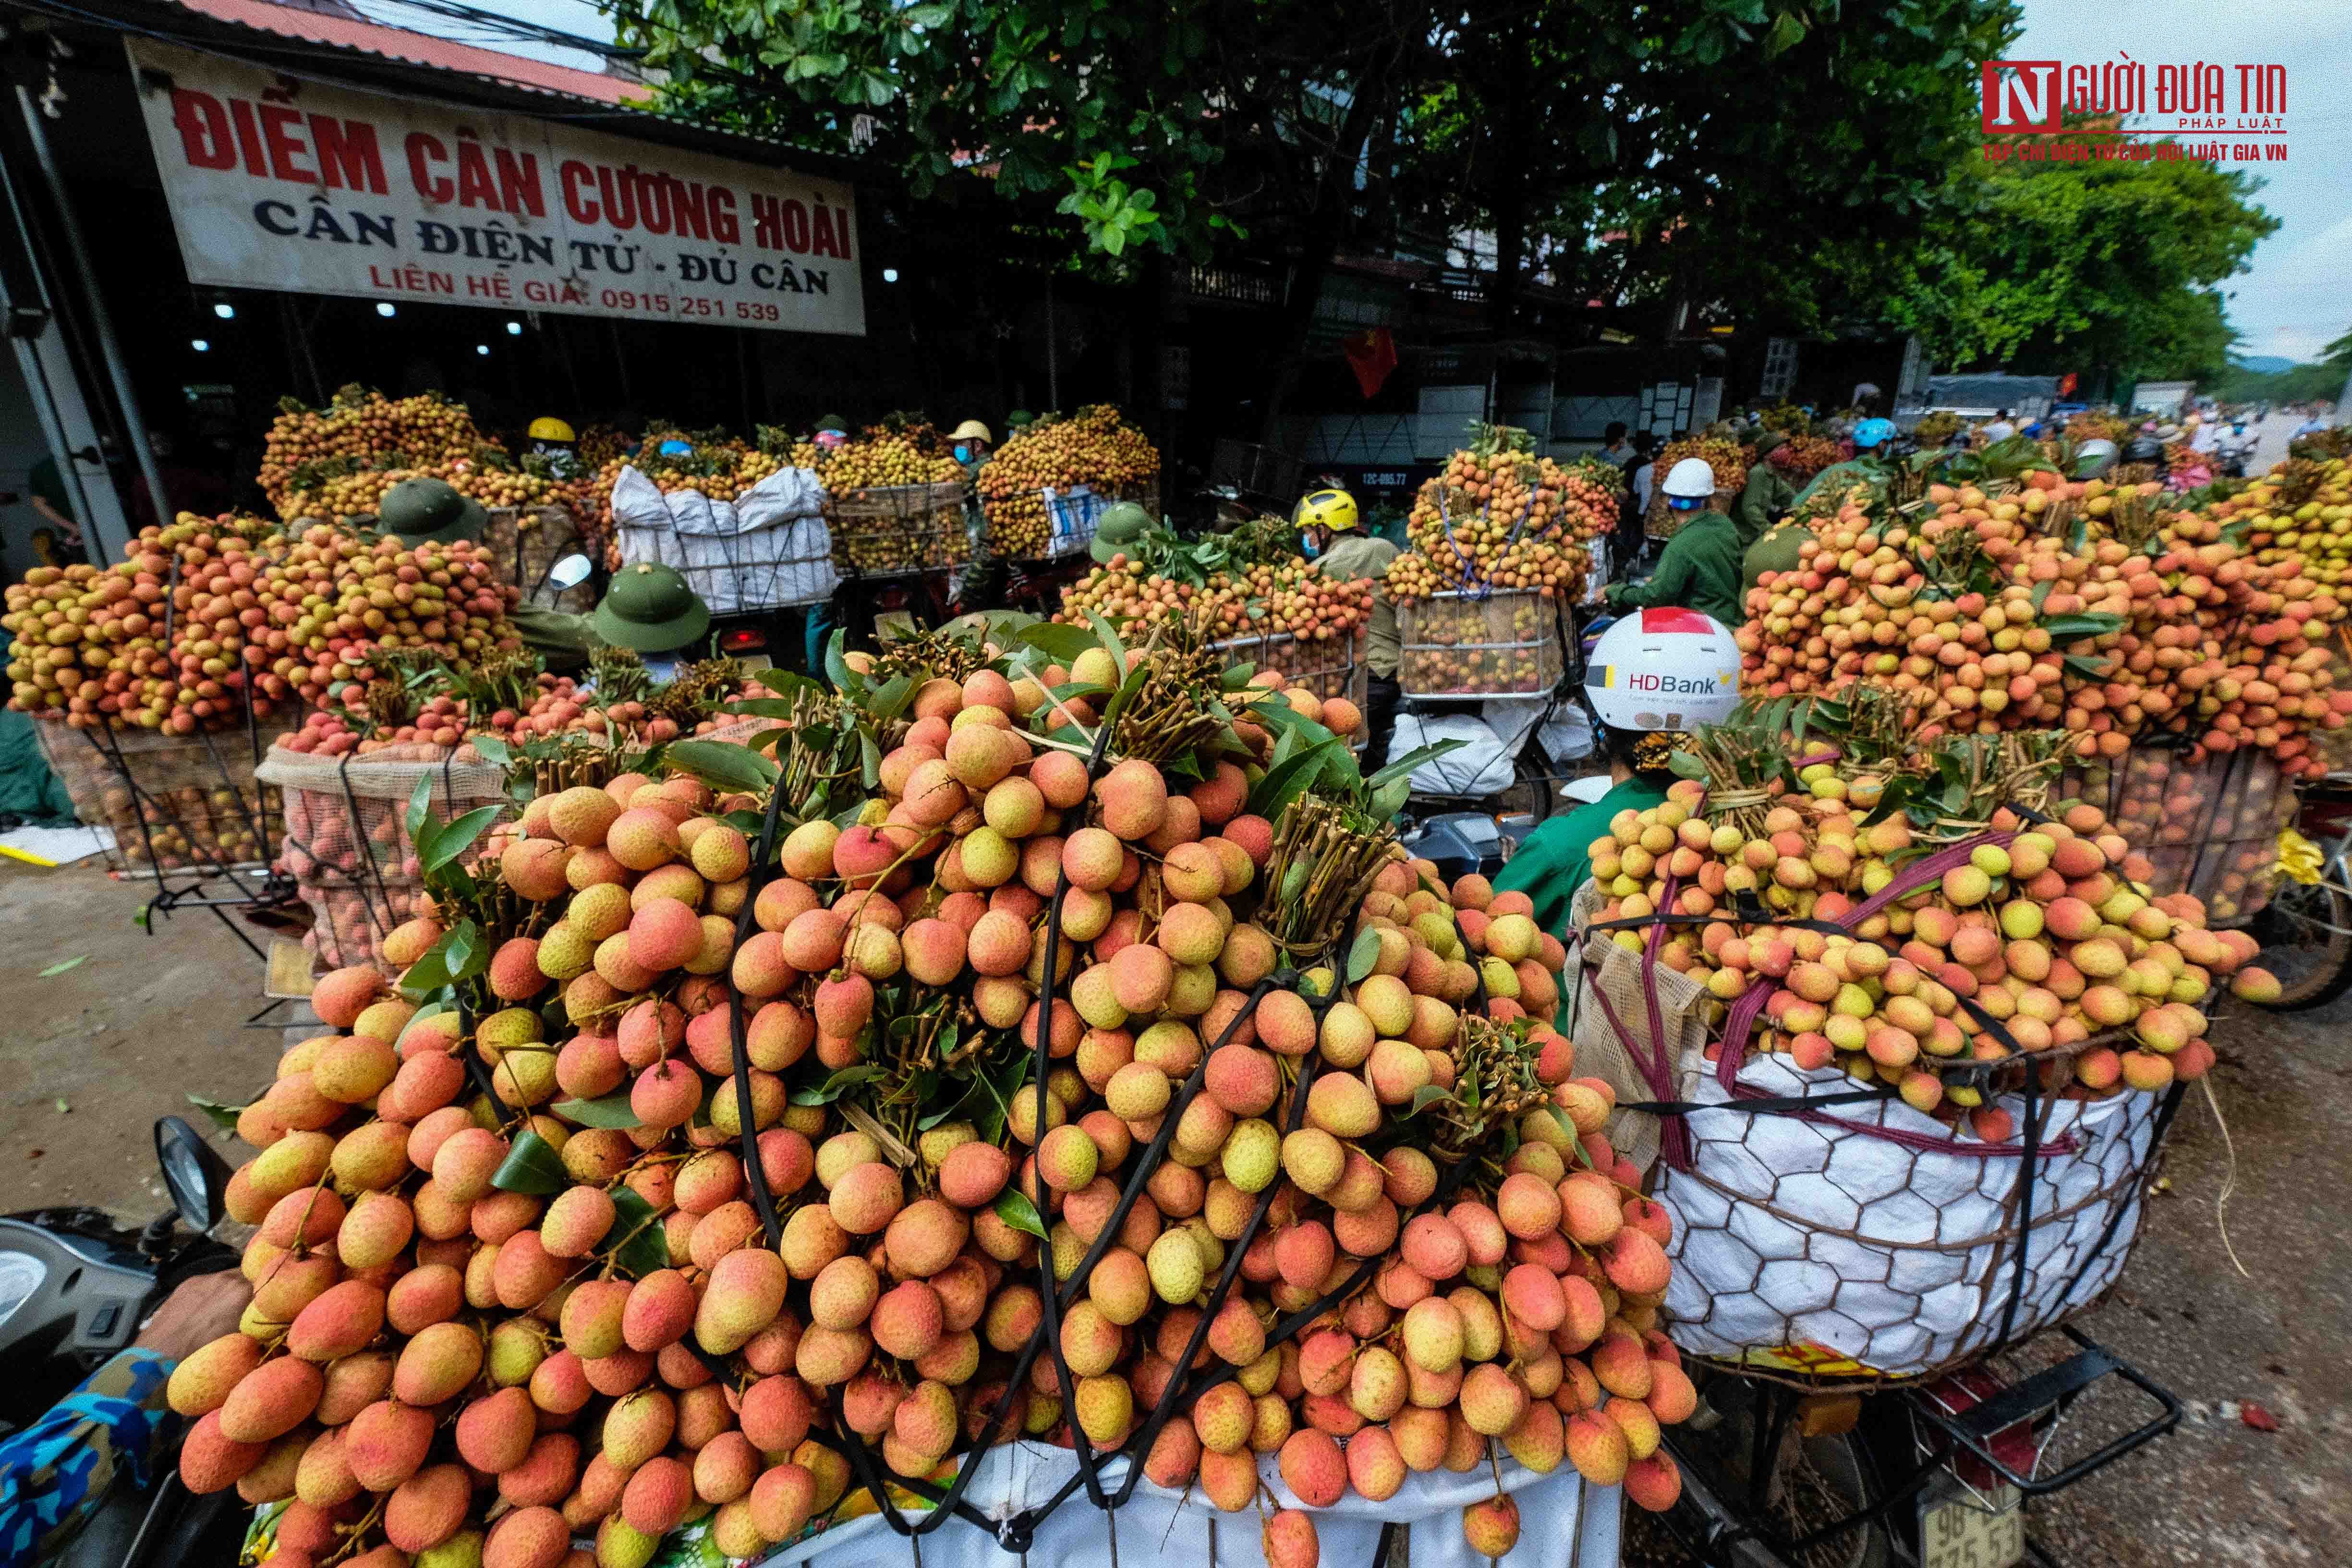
{"x": 1465, "y": 644}
{"x": 183, "y": 805}
{"x": 1829, "y": 1235}
{"x": 2210, "y": 829}
{"x": 527, "y": 542}
{"x": 889, "y": 529}
{"x": 1330, "y": 666}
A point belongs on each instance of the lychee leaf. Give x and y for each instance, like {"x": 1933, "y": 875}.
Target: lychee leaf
{"x": 458, "y": 836}
{"x": 723, "y": 765}
{"x": 1364, "y": 954}
{"x": 420, "y": 810}
{"x": 1423, "y": 1096}
{"x": 531, "y": 1166}
{"x": 638, "y": 1248}
{"x": 223, "y": 1116}
{"x": 1060, "y": 643}
{"x": 611, "y": 1111}
{"x": 1015, "y": 1210}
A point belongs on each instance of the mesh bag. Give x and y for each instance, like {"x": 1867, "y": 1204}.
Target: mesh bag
{"x": 527, "y": 542}
{"x": 898, "y": 528}
{"x": 347, "y": 844}
{"x": 1462, "y": 645}
{"x": 185, "y": 804}
{"x": 2209, "y": 829}
{"x": 1829, "y": 1234}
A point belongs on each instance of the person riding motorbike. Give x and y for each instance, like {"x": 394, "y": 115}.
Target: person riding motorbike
{"x": 56, "y": 1471}
{"x": 552, "y": 439}
{"x": 650, "y": 608}
{"x": 1653, "y": 676}
{"x": 1700, "y": 565}
{"x": 971, "y": 444}
{"x": 1330, "y": 528}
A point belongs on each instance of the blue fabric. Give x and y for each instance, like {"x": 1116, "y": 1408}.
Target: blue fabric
{"x": 56, "y": 1471}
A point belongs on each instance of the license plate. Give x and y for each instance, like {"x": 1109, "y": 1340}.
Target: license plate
{"x": 1955, "y": 1530}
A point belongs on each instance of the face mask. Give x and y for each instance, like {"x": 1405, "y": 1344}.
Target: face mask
{"x": 1308, "y": 545}
{"x": 963, "y": 453}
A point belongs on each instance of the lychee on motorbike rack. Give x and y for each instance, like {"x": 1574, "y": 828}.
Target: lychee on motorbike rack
{"x": 1918, "y": 1343}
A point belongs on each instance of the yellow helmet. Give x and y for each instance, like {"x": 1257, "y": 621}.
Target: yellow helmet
{"x": 547, "y": 428}
{"x": 970, "y": 429}
{"x": 1334, "y": 510}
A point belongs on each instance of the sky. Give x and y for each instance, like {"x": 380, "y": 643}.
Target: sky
{"x": 2297, "y": 293}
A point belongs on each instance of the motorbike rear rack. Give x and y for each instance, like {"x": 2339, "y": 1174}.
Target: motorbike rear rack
{"x": 1976, "y": 1429}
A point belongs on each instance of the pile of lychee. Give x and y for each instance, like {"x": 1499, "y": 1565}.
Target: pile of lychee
{"x": 1266, "y": 599}
{"x": 1094, "y": 447}
{"x": 2045, "y": 943}
{"x": 451, "y": 1343}
{"x": 209, "y": 613}
{"x": 1499, "y": 516}
{"x": 360, "y": 427}
{"x": 2205, "y": 638}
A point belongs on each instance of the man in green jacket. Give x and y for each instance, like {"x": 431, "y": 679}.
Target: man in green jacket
{"x": 1652, "y": 677}
{"x": 1768, "y": 495}
{"x": 1699, "y": 569}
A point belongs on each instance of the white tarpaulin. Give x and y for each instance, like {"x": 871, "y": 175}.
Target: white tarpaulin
{"x": 282, "y": 182}
{"x": 769, "y": 547}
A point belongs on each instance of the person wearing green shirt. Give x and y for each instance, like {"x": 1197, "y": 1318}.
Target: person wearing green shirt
{"x": 1653, "y": 676}
{"x": 1699, "y": 569}
{"x": 1331, "y": 529}
{"x": 1768, "y": 495}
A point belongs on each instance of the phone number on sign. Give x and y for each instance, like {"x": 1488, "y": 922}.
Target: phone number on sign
{"x": 697, "y": 306}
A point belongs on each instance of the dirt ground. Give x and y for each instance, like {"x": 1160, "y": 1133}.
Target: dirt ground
{"x": 95, "y": 1053}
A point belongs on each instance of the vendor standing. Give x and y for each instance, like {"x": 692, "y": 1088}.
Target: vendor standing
{"x": 1653, "y": 676}
{"x": 1331, "y": 531}
{"x": 1700, "y": 567}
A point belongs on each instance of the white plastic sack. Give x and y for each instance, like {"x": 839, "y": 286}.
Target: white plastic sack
{"x": 1562, "y": 1521}
{"x": 1481, "y": 765}
{"x": 768, "y": 548}
{"x": 1759, "y": 1263}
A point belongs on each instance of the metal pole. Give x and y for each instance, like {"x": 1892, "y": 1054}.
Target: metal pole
{"x": 116, "y": 370}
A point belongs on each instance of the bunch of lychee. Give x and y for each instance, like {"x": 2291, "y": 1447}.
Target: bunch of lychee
{"x": 444, "y": 1350}
{"x": 2045, "y": 943}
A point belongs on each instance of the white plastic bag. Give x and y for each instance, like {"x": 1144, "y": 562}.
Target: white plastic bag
{"x": 1562, "y": 1521}
{"x": 768, "y": 548}
{"x": 1481, "y": 765}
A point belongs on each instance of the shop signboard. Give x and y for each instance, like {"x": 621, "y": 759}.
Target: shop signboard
{"x": 281, "y": 183}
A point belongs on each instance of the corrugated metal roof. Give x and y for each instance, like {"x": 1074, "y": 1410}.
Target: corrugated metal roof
{"x": 421, "y": 49}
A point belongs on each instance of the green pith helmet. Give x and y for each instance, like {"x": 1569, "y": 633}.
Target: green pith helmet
{"x": 834, "y": 423}
{"x": 1020, "y": 419}
{"x": 1767, "y": 441}
{"x": 430, "y": 511}
{"x": 650, "y": 608}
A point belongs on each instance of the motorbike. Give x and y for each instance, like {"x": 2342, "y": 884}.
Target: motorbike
{"x": 75, "y": 1285}
{"x": 2233, "y": 452}
{"x": 2305, "y": 930}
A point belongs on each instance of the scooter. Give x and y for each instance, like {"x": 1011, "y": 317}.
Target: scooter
{"x": 75, "y": 1285}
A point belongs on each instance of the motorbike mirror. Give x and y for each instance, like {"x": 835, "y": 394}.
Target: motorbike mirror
{"x": 193, "y": 1172}
{"x": 570, "y": 572}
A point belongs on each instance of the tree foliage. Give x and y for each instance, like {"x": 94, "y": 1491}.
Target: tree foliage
{"x": 2091, "y": 262}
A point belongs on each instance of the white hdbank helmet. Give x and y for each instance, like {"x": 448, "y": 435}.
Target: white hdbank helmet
{"x": 1663, "y": 669}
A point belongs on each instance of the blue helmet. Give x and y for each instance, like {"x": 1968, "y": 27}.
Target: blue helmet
{"x": 1873, "y": 433}
{"x": 675, "y": 448}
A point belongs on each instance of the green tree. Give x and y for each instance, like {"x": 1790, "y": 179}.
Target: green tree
{"x": 1706, "y": 150}
{"x": 2080, "y": 262}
